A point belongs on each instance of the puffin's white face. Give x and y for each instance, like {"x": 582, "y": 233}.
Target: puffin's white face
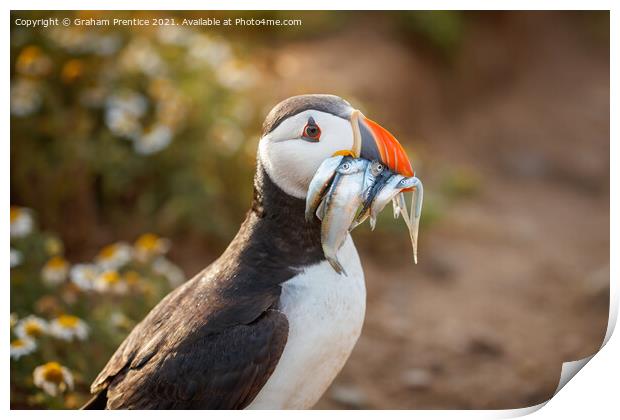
{"x": 293, "y": 151}
{"x": 302, "y": 131}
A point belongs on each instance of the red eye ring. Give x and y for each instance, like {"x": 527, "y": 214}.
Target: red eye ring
{"x": 312, "y": 131}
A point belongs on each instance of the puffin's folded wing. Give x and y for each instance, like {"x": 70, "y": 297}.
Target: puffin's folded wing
{"x": 225, "y": 370}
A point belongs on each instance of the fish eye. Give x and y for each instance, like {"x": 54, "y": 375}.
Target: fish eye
{"x": 346, "y": 166}
{"x": 379, "y": 167}
{"x": 311, "y": 130}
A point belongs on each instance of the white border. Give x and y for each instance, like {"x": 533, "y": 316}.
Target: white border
{"x": 595, "y": 391}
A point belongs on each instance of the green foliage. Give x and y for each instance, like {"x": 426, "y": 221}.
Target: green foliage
{"x": 130, "y": 130}
{"x": 126, "y": 282}
{"x": 443, "y": 29}
{"x": 95, "y": 114}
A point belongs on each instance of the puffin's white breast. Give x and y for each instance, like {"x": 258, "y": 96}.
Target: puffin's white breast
{"x": 325, "y": 312}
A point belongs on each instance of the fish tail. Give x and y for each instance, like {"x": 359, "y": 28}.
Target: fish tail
{"x": 333, "y": 261}
{"x": 361, "y": 218}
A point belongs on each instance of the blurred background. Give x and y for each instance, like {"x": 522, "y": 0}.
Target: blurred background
{"x": 133, "y": 151}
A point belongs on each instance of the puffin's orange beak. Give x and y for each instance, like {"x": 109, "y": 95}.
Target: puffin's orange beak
{"x": 373, "y": 142}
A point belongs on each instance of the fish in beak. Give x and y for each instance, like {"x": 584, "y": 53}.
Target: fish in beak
{"x": 373, "y": 142}
{"x": 340, "y": 207}
{"x": 320, "y": 183}
{"x": 375, "y": 171}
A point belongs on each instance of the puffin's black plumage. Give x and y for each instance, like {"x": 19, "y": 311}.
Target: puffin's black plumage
{"x": 213, "y": 342}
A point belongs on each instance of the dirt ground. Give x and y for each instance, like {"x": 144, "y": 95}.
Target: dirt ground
{"x": 513, "y": 280}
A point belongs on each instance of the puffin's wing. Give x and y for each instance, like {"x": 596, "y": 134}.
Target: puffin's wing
{"x": 214, "y": 371}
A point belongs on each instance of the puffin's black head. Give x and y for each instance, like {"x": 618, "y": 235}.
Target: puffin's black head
{"x": 302, "y": 131}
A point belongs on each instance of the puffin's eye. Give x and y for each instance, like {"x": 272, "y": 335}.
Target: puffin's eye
{"x": 312, "y": 131}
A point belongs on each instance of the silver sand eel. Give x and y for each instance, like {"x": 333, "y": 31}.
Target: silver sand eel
{"x": 340, "y": 207}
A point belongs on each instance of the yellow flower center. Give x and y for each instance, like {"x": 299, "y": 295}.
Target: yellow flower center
{"x": 29, "y": 54}
{"x": 68, "y": 321}
{"x": 111, "y": 277}
{"x": 16, "y": 212}
{"x": 52, "y": 372}
{"x": 56, "y": 263}
{"x": 132, "y": 277}
{"x": 148, "y": 242}
{"x": 108, "y": 251}
{"x": 33, "y": 329}
{"x": 18, "y": 343}
{"x": 72, "y": 70}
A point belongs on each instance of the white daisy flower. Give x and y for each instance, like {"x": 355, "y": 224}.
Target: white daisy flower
{"x": 174, "y": 35}
{"x": 84, "y": 275}
{"x": 22, "y": 222}
{"x": 140, "y": 55}
{"x": 73, "y": 40}
{"x": 14, "y": 319}
{"x": 31, "y": 327}
{"x": 123, "y": 113}
{"x": 68, "y": 327}
{"x": 16, "y": 257}
{"x": 169, "y": 270}
{"x": 25, "y": 97}
{"x": 120, "y": 320}
{"x": 114, "y": 256}
{"x": 236, "y": 76}
{"x": 110, "y": 282}
{"x": 154, "y": 140}
{"x": 150, "y": 245}
{"x": 21, "y": 347}
{"x": 205, "y": 49}
{"x": 130, "y": 101}
{"x": 55, "y": 271}
{"x": 77, "y": 41}
{"x": 106, "y": 45}
{"x": 122, "y": 123}
{"x": 53, "y": 378}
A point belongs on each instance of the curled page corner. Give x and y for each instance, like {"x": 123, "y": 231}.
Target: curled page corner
{"x": 570, "y": 369}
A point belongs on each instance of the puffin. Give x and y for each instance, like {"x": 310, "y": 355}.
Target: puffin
{"x": 269, "y": 324}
